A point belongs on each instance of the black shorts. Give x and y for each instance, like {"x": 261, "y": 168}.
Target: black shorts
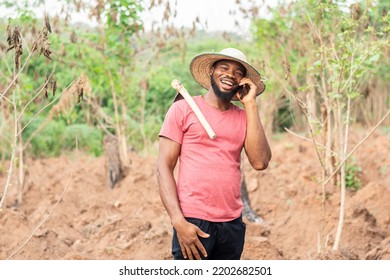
{"x": 226, "y": 240}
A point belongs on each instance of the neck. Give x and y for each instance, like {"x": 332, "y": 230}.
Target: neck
{"x": 216, "y": 102}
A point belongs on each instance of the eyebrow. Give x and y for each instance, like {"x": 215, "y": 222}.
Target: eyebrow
{"x": 225, "y": 62}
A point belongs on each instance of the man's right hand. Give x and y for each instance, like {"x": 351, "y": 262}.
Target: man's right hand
{"x": 187, "y": 235}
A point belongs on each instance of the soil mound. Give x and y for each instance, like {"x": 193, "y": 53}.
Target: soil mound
{"x": 69, "y": 212}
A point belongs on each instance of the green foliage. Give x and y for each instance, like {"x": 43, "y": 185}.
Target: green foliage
{"x": 114, "y": 58}
{"x": 57, "y": 138}
{"x": 283, "y": 117}
{"x": 326, "y": 48}
{"x": 353, "y": 176}
{"x": 89, "y": 138}
{"x": 385, "y": 130}
{"x": 5, "y": 139}
{"x": 49, "y": 143}
{"x": 123, "y": 16}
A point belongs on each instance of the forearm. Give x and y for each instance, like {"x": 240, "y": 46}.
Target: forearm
{"x": 168, "y": 194}
{"x": 256, "y": 143}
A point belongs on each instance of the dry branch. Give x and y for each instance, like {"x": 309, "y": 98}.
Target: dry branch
{"x": 67, "y": 100}
{"x": 52, "y": 210}
{"x": 8, "y": 182}
{"x": 357, "y": 146}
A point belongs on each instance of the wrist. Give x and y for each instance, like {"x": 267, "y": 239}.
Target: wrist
{"x": 250, "y": 104}
{"x": 175, "y": 221}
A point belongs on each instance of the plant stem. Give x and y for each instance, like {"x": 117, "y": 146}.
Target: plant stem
{"x": 344, "y": 150}
{"x": 38, "y": 93}
{"x": 2, "y": 95}
{"x": 10, "y": 170}
{"x": 357, "y": 146}
{"x": 52, "y": 210}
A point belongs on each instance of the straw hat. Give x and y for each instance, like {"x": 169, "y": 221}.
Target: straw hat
{"x": 201, "y": 64}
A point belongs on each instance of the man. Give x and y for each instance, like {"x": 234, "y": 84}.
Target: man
{"x": 205, "y": 205}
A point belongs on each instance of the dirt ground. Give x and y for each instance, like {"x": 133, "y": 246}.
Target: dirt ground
{"x": 68, "y": 212}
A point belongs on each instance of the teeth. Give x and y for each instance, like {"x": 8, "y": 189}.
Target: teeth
{"x": 227, "y": 83}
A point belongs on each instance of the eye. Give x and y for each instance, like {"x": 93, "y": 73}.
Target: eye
{"x": 239, "y": 74}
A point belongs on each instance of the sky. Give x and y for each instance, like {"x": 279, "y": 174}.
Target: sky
{"x": 215, "y": 12}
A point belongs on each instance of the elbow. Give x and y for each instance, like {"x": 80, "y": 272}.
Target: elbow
{"x": 261, "y": 164}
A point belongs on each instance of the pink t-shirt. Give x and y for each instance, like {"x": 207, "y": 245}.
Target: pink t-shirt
{"x": 208, "y": 183}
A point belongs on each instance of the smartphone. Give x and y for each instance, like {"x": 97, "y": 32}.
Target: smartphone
{"x": 244, "y": 89}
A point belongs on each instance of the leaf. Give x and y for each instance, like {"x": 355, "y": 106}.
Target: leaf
{"x": 336, "y": 96}
{"x": 317, "y": 64}
{"x": 47, "y": 23}
{"x": 374, "y": 58}
{"x": 354, "y": 94}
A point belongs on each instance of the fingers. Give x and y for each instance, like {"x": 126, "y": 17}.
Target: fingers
{"x": 201, "y": 248}
{"x": 183, "y": 251}
{"x": 190, "y": 244}
{"x": 201, "y": 233}
{"x": 191, "y": 252}
{"x": 199, "y": 245}
{"x": 195, "y": 252}
{"x": 250, "y": 94}
{"x": 246, "y": 81}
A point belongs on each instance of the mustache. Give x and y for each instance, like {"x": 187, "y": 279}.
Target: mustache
{"x": 225, "y": 96}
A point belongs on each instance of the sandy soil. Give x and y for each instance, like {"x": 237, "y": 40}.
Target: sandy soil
{"x": 68, "y": 212}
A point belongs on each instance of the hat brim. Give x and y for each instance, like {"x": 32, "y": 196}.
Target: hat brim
{"x": 201, "y": 64}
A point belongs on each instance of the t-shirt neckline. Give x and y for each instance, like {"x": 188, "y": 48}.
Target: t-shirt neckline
{"x": 216, "y": 109}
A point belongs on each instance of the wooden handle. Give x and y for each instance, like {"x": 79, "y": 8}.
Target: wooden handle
{"x": 176, "y": 84}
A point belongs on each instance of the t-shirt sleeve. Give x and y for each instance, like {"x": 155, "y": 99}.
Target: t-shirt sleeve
{"x": 172, "y": 127}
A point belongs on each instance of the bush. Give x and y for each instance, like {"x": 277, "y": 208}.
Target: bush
{"x": 89, "y": 139}
{"x": 47, "y": 143}
{"x": 57, "y": 137}
{"x": 352, "y": 176}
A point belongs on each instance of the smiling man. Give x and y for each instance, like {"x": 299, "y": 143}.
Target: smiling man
{"x": 204, "y": 203}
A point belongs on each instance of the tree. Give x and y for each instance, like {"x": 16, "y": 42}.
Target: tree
{"x": 14, "y": 96}
{"x": 321, "y": 56}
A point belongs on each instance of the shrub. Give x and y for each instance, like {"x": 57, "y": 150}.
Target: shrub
{"x": 352, "y": 176}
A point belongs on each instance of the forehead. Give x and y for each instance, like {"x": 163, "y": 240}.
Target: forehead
{"x": 231, "y": 63}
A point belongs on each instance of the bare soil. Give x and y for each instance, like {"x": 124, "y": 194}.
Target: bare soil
{"x": 69, "y": 212}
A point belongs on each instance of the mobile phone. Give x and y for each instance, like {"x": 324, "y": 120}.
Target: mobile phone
{"x": 244, "y": 89}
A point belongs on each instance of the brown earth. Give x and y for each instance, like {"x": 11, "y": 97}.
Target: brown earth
{"x": 92, "y": 221}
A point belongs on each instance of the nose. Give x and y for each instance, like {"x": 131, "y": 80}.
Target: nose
{"x": 230, "y": 73}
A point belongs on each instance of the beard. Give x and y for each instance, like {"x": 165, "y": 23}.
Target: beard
{"x": 224, "y": 96}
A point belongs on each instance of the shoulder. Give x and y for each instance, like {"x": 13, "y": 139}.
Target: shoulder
{"x": 178, "y": 105}
{"x": 182, "y": 103}
{"x": 180, "y": 108}
{"x": 237, "y": 109}
{"x": 239, "y": 113}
